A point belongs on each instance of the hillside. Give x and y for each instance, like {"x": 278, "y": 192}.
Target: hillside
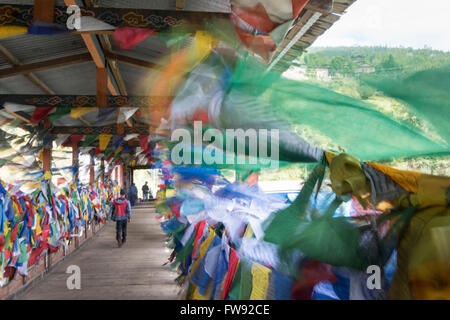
{"x": 342, "y": 69}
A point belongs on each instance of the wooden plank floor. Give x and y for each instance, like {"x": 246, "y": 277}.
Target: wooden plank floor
{"x": 133, "y": 271}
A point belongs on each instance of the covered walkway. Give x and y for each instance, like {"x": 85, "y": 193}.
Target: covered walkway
{"x": 134, "y": 271}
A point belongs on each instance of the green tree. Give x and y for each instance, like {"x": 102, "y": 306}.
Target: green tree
{"x": 390, "y": 64}
{"x": 366, "y": 92}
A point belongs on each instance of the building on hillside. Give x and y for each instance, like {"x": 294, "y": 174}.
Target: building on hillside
{"x": 365, "y": 68}
{"x": 322, "y": 74}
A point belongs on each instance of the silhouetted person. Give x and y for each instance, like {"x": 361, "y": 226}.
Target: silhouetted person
{"x": 133, "y": 194}
{"x": 145, "y": 191}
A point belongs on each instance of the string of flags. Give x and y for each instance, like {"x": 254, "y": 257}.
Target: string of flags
{"x": 46, "y": 219}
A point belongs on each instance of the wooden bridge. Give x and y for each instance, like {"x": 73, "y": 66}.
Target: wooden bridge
{"x": 134, "y": 271}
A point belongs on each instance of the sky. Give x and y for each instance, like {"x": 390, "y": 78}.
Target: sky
{"x": 392, "y": 23}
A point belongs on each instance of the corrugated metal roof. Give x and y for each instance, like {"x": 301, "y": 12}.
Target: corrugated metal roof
{"x": 136, "y": 79}
{"x": 190, "y": 5}
{"x": 36, "y": 48}
{"x": 77, "y": 79}
{"x": 81, "y": 78}
{"x": 18, "y": 85}
{"x": 31, "y": 2}
{"x": 151, "y": 49}
{"x": 4, "y": 63}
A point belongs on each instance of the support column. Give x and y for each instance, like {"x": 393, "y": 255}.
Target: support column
{"x": 102, "y": 80}
{"x": 75, "y": 165}
{"x": 102, "y": 101}
{"x": 47, "y": 152}
{"x": 92, "y": 168}
{"x": 43, "y": 10}
{"x": 121, "y": 175}
{"x": 126, "y": 177}
{"x": 75, "y": 161}
{"x": 104, "y": 170}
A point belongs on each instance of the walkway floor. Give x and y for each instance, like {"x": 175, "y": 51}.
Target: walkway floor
{"x": 134, "y": 271}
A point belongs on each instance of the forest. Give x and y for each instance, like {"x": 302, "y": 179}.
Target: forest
{"x": 345, "y": 60}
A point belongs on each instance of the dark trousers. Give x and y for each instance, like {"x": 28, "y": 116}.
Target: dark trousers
{"x": 121, "y": 228}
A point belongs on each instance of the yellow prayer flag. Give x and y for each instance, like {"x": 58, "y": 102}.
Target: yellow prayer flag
{"x": 204, "y": 43}
{"x": 248, "y": 232}
{"x": 170, "y": 193}
{"x": 260, "y": 282}
{"x": 78, "y": 112}
{"x": 10, "y": 31}
{"x": 118, "y": 150}
{"x": 197, "y": 295}
{"x": 47, "y": 175}
{"x": 33, "y": 184}
{"x": 203, "y": 248}
{"x": 104, "y": 140}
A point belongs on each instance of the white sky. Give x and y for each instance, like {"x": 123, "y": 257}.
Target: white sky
{"x": 394, "y": 23}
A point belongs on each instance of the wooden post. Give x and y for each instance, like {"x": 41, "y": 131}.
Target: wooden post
{"x": 102, "y": 101}
{"x": 43, "y": 10}
{"x": 47, "y": 152}
{"x": 92, "y": 169}
{"x": 121, "y": 176}
{"x": 179, "y": 4}
{"x": 104, "y": 170}
{"x": 102, "y": 80}
{"x": 75, "y": 161}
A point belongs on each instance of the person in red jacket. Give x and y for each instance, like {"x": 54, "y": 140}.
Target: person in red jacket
{"x": 122, "y": 215}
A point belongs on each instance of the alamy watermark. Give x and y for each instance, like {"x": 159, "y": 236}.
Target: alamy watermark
{"x": 74, "y": 19}
{"x": 74, "y": 280}
{"x": 374, "y": 280}
{"x": 231, "y": 146}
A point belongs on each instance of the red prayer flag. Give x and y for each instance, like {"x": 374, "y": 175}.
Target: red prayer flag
{"x": 297, "y": 7}
{"x": 232, "y": 265}
{"x": 175, "y": 207}
{"x": 198, "y": 234}
{"x": 143, "y": 140}
{"x": 311, "y": 274}
{"x": 201, "y": 115}
{"x": 128, "y": 37}
{"x": 75, "y": 138}
{"x": 40, "y": 113}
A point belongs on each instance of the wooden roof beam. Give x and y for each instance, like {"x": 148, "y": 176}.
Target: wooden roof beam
{"x": 44, "y": 65}
{"x": 96, "y": 52}
{"x": 130, "y": 60}
{"x": 105, "y": 44}
{"x": 11, "y": 59}
{"x": 43, "y": 10}
{"x": 322, "y": 6}
{"x": 179, "y": 5}
{"x": 17, "y": 115}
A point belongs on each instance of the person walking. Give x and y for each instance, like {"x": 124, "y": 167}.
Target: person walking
{"x": 122, "y": 215}
{"x": 133, "y": 194}
{"x": 145, "y": 191}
